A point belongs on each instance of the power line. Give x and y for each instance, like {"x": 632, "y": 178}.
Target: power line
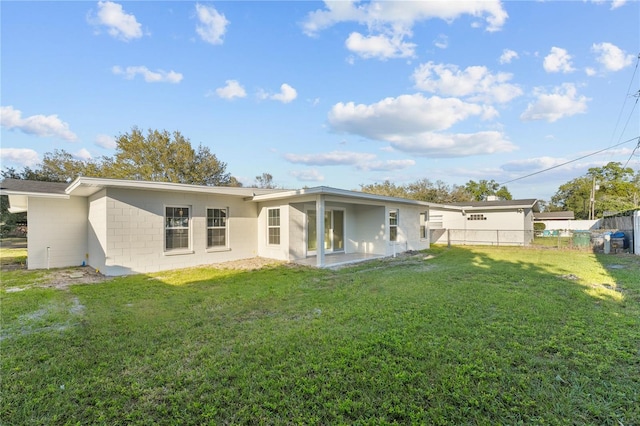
{"x": 632, "y": 152}
{"x": 570, "y": 161}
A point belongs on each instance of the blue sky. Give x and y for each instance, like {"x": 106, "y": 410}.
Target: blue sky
{"x": 336, "y": 94}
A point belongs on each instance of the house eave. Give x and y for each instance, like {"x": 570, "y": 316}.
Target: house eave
{"x": 87, "y": 186}
{"x": 341, "y": 193}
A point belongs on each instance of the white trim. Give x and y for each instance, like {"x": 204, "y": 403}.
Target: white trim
{"x": 187, "y": 250}
{"x": 279, "y": 227}
{"x": 226, "y": 230}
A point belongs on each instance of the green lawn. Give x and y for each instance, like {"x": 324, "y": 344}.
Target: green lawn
{"x": 472, "y": 335}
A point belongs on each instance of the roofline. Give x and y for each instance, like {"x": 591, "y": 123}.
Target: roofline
{"x": 33, "y": 194}
{"x": 100, "y": 183}
{"x": 327, "y": 190}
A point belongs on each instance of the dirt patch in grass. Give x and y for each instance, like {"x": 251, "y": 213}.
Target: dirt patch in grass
{"x": 61, "y": 279}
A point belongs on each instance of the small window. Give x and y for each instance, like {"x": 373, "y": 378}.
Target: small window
{"x": 177, "y": 221}
{"x": 476, "y": 217}
{"x": 424, "y": 219}
{"x": 273, "y": 226}
{"x": 217, "y": 228}
{"x": 393, "y": 225}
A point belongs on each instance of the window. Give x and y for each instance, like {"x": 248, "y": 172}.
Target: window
{"x": 273, "y": 226}
{"x": 393, "y": 225}
{"x": 424, "y": 229}
{"x": 217, "y": 228}
{"x": 476, "y": 217}
{"x": 177, "y": 233}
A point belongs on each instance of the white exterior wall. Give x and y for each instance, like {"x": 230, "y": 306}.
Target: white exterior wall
{"x": 136, "y": 231}
{"x": 571, "y": 225}
{"x": 502, "y": 227}
{"x": 369, "y": 234}
{"x": 97, "y": 230}
{"x": 60, "y": 225}
{"x": 280, "y": 251}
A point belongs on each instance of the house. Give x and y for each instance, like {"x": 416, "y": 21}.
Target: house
{"x": 492, "y": 222}
{"x": 123, "y": 226}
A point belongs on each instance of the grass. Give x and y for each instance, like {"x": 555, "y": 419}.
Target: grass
{"x": 473, "y": 335}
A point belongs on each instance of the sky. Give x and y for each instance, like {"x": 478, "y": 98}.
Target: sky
{"x": 338, "y": 94}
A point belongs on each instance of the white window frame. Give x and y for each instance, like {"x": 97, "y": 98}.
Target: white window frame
{"x": 424, "y": 225}
{"x": 167, "y": 228}
{"x": 225, "y": 246}
{"x": 272, "y": 226}
{"x": 394, "y": 223}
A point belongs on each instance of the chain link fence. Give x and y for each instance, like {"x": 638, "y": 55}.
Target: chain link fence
{"x": 620, "y": 241}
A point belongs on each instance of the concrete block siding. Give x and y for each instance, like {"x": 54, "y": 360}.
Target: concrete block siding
{"x": 134, "y": 224}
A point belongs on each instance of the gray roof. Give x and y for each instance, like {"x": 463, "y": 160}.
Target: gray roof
{"x": 554, "y": 216}
{"x": 33, "y": 186}
{"x": 498, "y": 203}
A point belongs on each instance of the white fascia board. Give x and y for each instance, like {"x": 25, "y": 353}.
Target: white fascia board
{"x": 87, "y": 186}
{"x": 344, "y": 193}
{"x": 32, "y": 194}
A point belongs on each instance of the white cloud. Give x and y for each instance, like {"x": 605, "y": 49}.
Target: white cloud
{"x": 390, "y": 22}
{"x": 433, "y": 144}
{"x": 83, "y": 154}
{"x": 106, "y": 141}
{"x": 233, "y": 89}
{"x": 213, "y": 24}
{"x": 508, "y": 55}
{"x": 614, "y": 4}
{"x": 532, "y": 164}
{"x": 475, "y": 82}
{"x": 402, "y": 15}
{"x": 558, "y": 60}
{"x": 406, "y": 114}
{"x": 39, "y": 125}
{"x": 20, "y": 156}
{"x": 333, "y": 158}
{"x": 286, "y": 95}
{"x": 410, "y": 122}
{"x": 159, "y": 76}
{"x": 441, "y": 42}
{"x": 310, "y": 175}
{"x": 379, "y": 46}
{"x": 360, "y": 160}
{"x": 119, "y": 24}
{"x": 386, "y": 166}
{"x": 611, "y": 56}
{"x": 562, "y": 102}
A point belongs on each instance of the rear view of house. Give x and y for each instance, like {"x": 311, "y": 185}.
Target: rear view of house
{"x": 122, "y": 227}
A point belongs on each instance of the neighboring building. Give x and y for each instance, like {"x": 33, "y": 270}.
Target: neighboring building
{"x": 121, "y": 226}
{"x": 564, "y": 222}
{"x": 495, "y": 222}
{"x": 544, "y": 216}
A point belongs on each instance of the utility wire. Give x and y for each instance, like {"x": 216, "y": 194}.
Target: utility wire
{"x": 633, "y": 76}
{"x": 632, "y": 152}
{"x": 570, "y": 161}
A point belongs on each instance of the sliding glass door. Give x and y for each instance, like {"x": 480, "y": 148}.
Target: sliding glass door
{"x": 333, "y": 231}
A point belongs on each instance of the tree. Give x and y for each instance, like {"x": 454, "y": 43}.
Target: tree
{"x": 617, "y": 190}
{"x": 421, "y": 190}
{"x": 386, "y": 188}
{"x": 157, "y": 156}
{"x": 265, "y": 180}
{"x": 163, "y": 157}
{"x": 482, "y": 189}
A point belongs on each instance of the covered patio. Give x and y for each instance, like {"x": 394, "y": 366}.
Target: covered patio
{"x": 333, "y": 260}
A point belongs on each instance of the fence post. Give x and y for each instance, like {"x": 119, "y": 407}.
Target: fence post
{"x": 448, "y": 237}
{"x": 498, "y": 237}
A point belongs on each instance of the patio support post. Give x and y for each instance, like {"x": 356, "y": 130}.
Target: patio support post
{"x": 320, "y": 231}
